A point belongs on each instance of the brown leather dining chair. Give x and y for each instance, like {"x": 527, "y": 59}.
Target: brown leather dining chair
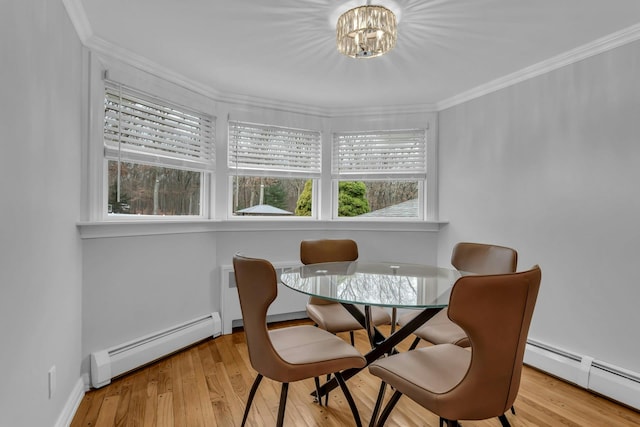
{"x": 477, "y": 258}
{"x": 289, "y": 354}
{"x": 329, "y": 315}
{"x": 454, "y": 383}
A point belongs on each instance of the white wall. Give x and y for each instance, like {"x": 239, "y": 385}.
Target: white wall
{"x": 133, "y": 286}
{"x": 136, "y": 285}
{"x": 279, "y": 246}
{"x": 550, "y": 167}
{"x": 40, "y": 266}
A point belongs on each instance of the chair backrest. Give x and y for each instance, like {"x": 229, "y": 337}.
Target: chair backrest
{"x": 257, "y": 284}
{"x": 482, "y": 258}
{"x": 495, "y": 311}
{"x": 327, "y": 250}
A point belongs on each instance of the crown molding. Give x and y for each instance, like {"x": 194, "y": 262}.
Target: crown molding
{"x": 383, "y": 109}
{"x": 81, "y": 23}
{"x": 115, "y": 52}
{"x": 600, "y": 45}
{"x": 79, "y": 19}
{"x": 109, "y": 50}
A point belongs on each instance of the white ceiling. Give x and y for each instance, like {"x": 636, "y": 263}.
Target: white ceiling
{"x": 285, "y": 51}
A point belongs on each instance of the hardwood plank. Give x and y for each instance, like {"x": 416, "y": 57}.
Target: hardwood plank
{"x": 151, "y": 404}
{"x": 94, "y": 400}
{"x": 191, "y": 398}
{"x": 164, "y": 376}
{"x": 137, "y": 403}
{"x": 202, "y": 387}
{"x": 107, "y": 415}
{"x": 229, "y": 404}
{"x": 215, "y": 354}
{"x": 165, "y": 410}
{"x": 214, "y": 390}
{"x": 125, "y": 399}
{"x": 192, "y": 404}
{"x": 179, "y": 414}
{"x": 83, "y": 409}
{"x": 265, "y": 408}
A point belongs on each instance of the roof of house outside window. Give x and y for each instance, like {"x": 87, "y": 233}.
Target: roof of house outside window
{"x": 263, "y": 210}
{"x": 404, "y": 209}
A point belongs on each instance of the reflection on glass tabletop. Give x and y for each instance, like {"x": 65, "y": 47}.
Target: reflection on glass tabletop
{"x": 388, "y": 284}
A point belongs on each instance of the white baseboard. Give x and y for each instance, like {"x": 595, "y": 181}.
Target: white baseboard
{"x": 72, "y": 404}
{"x": 556, "y": 362}
{"x": 607, "y": 380}
{"x": 615, "y": 383}
{"x": 109, "y": 363}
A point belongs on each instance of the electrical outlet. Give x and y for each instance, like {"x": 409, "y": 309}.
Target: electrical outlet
{"x": 52, "y": 381}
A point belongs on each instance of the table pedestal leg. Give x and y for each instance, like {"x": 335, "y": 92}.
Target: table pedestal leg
{"x": 383, "y": 345}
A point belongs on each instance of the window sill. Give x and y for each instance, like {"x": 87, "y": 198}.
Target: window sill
{"x": 96, "y": 230}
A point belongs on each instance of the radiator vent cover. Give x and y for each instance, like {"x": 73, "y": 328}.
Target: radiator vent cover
{"x": 288, "y": 305}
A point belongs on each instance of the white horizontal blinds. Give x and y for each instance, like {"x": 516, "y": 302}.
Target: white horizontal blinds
{"x": 264, "y": 149}
{"x": 380, "y": 154}
{"x": 143, "y": 129}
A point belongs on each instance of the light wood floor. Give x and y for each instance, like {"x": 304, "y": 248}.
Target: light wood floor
{"x": 208, "y": 384}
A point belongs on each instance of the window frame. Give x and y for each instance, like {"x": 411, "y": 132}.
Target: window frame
{"x": 285, "y": 135}
{"x": 368, "y": 171}
{"x": 205, "y": 166}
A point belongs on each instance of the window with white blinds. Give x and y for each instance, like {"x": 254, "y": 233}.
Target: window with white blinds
{"x": 380, "y": 154}
{"x": 272, "y": 150}
{"x": 141, "y": 129}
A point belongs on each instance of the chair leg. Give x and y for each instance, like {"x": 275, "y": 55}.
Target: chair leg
{"x": 513, "y": 410}
{"x": 283, "y": 404}
{"x": 318, "y": 398}
{"x": 353, "y": 342}
{"x": 451, "y": 423}
{"x": 347, "y": 395}
{"x": 379, "y": 400}
{"x": 504, "y": 421}
{"x": 387, "y": 409}
{"x": 326, "y": 396}
{"x": 252, "y": 393}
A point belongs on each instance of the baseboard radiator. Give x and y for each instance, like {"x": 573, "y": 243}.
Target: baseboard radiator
{"x": 288, "y": 305}
{"x": 115, "y": 361}
{"x": 607, "y": 380}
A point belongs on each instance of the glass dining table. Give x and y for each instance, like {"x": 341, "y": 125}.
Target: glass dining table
{"x": 385, "y": 284}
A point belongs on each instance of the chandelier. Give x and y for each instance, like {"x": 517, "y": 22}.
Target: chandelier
{"x": 366, "y": 31}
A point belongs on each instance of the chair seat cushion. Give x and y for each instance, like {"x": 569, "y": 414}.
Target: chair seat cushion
{"x": 438, "y": 330}
{"x": 313, "y": 352}
{"x": 335, "y": 318}
{"x": 425, "y": 373}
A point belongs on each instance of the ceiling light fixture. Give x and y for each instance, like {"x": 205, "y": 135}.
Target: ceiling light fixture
{"x": 366, "y": 31}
